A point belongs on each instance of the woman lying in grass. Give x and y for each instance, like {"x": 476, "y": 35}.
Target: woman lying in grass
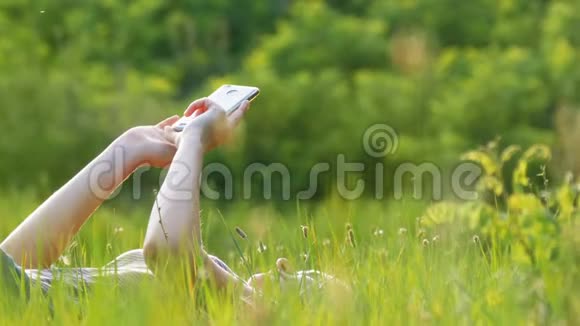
{"x": 173, "y": 238}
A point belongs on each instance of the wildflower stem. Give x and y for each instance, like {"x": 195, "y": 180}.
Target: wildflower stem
{"x": 238, "y": 248}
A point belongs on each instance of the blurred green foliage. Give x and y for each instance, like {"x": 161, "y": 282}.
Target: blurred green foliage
{"x": 446, "y": 75}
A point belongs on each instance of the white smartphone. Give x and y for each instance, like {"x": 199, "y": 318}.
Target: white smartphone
{"x": 229, "y": 97}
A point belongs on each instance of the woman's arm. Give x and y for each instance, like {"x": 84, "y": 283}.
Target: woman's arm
{"x": 174, "y": 225}
{"x": 40, "y": 239}
{"x": 174, "y": 221}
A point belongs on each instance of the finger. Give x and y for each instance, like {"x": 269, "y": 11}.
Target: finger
{"x": 200, "y": 111}
{"x": 168, "y": 122}
{"x": 210, "y": 106}
{"x": 238, "y": 114}
{"x": 196, "y": 105}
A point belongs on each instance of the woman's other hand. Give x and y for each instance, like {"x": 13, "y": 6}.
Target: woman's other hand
{"x": 152, "y": 145}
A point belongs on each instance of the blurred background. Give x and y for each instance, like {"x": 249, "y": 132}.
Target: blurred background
{"x": 447, "y": 75}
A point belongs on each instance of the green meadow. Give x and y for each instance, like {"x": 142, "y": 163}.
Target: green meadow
{"x": 510, "y": 260}
{"x": 493, "y": 84}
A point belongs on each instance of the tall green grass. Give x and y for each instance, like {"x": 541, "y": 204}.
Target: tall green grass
{"x": 401, "y": 271}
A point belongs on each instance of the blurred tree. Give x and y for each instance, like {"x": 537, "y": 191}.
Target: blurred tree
{"x": 76, "y": 74}
{"x": 446, "y": 81}
{"x": 446, "y": 75}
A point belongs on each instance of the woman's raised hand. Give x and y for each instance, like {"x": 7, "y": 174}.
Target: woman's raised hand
{"x": 212, "y": 126}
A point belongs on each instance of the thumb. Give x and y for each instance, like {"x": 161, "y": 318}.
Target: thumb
{"x": 168, "y": 122}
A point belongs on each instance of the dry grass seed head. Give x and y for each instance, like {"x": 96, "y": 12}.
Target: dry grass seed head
{"x": 304, "y": 231}
{"x": 241, "y": 233}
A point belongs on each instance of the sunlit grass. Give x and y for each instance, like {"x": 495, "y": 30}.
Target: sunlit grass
{"x": 399, "y": 273}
